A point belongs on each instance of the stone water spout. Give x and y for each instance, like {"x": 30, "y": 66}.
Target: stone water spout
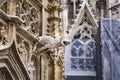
{"x": 49, "y": 43}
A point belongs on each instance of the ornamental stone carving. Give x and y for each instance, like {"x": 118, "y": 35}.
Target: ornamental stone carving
{"x": 54, "y": 5}
{"x": 30, "y": 15}
{"x": 50, "y": 43}
{"x": 85, "y": 31}
{"x": 3, "y": 34}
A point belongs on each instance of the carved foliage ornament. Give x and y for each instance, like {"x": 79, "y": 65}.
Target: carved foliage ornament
{"x": 54, "y": 5}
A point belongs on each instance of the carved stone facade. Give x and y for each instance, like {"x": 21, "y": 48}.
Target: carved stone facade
{"x": 33, "y": 34}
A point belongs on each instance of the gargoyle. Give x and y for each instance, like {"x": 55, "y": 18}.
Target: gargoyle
{"x": 49, "y": 43}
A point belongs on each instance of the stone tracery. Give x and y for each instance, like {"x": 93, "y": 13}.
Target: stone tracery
{"x": 85, "y": 31}
{"x": 30, "y": 16}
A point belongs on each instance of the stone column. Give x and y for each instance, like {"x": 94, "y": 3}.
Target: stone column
{"x": 58, "y": 63}
{"x": 102, "y": 11}
{"x": 64, "y": 17}
{"x": 12, "y": 7}
{"x": 74, "y": 7}
{"x": 45, "y": 68}
{"x": 51, "y": 70}
{"x": 54, "y": 21}
{"x": 101, "y": 5}
{"x": 58, "y": 71}
{"x": 54, "y": 30}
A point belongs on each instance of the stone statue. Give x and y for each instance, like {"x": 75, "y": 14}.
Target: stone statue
{"x": 50, "y": 43}
{"x": 23, "y": 51}
{"x": 3, "y": 35}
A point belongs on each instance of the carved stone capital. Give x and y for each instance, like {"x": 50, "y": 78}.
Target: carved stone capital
{"x": 54, "y": 6}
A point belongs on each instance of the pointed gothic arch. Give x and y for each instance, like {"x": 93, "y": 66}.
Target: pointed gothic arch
{"x": 84, "y": 15}
{"x": 80, "y": 54}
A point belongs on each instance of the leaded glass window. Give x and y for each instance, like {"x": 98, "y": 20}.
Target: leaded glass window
{"x": 82, "y": 55}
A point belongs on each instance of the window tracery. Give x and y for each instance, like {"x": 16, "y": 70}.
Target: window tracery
{"x": 83, "y": 49}
{"x": 85, "y": 31}
{"x": 80, "y": 55}
{"x": 30, "y": 15}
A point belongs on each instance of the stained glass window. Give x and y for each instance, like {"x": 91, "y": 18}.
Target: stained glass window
{"x": 82, "y": 55}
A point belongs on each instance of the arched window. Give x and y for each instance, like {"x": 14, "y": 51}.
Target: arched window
{"x": 80, "y": 54}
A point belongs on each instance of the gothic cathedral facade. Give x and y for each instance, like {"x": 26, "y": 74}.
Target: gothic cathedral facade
{"x": 38, "y": 37}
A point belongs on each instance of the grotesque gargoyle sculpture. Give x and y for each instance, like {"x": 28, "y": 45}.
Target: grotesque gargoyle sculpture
{"x": 49, "y": 43}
